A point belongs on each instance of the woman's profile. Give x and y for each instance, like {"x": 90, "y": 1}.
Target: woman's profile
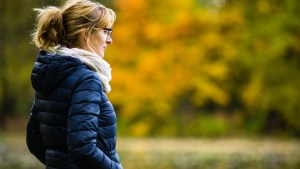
{"x": 72, "y": 124}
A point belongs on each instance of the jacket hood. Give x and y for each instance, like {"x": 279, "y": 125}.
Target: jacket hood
{"x": 50, "y": 70}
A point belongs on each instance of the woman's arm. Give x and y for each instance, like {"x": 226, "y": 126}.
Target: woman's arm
{"x": 34, "y": 140}
{"x": 83, "y": 125}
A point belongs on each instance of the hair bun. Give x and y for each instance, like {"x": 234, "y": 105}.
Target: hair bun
{"x": 50, "y": 29}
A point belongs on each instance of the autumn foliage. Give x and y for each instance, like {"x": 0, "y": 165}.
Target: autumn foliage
{"x": 200, "y": 68}
{"x": 189, "y": 67}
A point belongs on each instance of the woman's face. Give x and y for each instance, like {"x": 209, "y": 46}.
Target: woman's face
{"x": 99, "y": 41}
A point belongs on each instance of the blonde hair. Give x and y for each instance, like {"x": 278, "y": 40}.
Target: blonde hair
{"x": 63, "y": 25}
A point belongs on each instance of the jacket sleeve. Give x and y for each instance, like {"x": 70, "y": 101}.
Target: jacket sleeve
{"x": 83, "y": 123}
{"x": 34, "y": 140}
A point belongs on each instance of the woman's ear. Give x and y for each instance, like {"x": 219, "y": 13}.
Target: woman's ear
{"x": 83, "y": 39}
{"x": 83, "y": 36}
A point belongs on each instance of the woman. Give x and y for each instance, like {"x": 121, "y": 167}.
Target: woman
{"x": 72, "y": 124}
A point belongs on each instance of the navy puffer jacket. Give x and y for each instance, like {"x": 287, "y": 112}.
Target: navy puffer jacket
{"x": 72, "y": 124}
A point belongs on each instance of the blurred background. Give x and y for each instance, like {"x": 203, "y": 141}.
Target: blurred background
{"x": 196, "y": 83}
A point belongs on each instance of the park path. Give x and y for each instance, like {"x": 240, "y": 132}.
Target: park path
{"x": 223, "y": 145}
{"x": 148, "y": 152}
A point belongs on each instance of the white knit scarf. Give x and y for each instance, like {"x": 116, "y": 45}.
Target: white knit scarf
{"x": 91, "y": 60}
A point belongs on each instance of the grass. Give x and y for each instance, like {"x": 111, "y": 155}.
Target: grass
{"x": 210, "y": 154}
{"x": 176, "y": 153}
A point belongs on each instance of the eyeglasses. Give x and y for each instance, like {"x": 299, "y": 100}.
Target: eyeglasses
{"x": 108, "y": 32}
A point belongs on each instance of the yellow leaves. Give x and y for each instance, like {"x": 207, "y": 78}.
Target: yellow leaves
{"x": 212, "y": 39}
{"x": 263, "y": 6}
{"x": 252, "y": 92}
{"x": 164, "y": 49}
{"x": 183, "y": 19}
{"x": 133, "y": 7}
{"x": 154, "y": 31}
{"x": 163, "y": 108}
{"x": 130, "y": 110}
{"x": 149, "y": 64}
{"x": 216, "y": 70}
{"x": 209, "y": 90}
{"x": 140, "y": 129}
{"x": 229, "y": 51}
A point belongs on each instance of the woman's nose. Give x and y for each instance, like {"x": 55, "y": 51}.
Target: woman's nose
{"x": 109, "y": 40}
